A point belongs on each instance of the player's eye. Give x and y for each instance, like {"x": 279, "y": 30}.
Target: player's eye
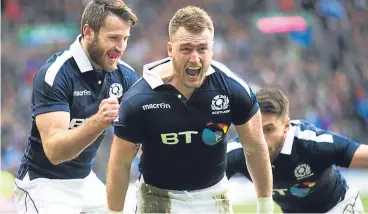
{"x": 114, "y": 38}
{"x": 267, "y": 130}
{"x": 186, "y": 50}
{"x": 202, "y": 49}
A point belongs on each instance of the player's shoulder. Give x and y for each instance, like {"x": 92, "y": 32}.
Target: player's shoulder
{"x": 126, "y": 69}
{"x": 56, "y": 67}
{"x": 146, "y": 88}
{"x": 139, "y": 92}
{"x": 306, "y": 132}
{"x": 227, "y": 76}
{"x": 306, "y": 126}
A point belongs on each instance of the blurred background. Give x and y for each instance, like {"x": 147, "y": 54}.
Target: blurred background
{"x": 314, "y": 50}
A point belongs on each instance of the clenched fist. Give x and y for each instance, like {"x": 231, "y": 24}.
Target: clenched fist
{"x": 107, "y": 112}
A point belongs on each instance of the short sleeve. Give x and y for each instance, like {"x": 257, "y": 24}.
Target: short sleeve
{"x": 334, "y": 149}
{"x": 245, "y": 102}
{"x": 50, "y": 91}
{"x": 127, "y": 125}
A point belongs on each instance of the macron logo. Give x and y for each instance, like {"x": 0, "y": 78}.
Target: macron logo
{"x": 157, "y": 105}
{"x": 81, "y": 93}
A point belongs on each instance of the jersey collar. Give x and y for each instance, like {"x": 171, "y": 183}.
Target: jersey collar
{"x": 80, "y": 56}
{"x": 289, "y": 140}
{"x": 151, "y": 72}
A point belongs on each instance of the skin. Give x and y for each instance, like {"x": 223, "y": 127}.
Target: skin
{"x": 189, "y": 49}
{"x": 112, "y": 38}
{"x": 275, "y": 129}
{"x": 256, "y": 154}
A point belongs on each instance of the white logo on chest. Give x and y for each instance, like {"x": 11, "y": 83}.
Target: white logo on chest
{"x": 116, "y": 90}
{"x": 220, "y": 104}
{"x": 81, "y": 93}
{"x": 303, "y": 171}
{"x": 155, "y": 106}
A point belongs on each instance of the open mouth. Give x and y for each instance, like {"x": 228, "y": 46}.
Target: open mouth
{"x": 114, "y": 55}
{"x": 193, "y": 71}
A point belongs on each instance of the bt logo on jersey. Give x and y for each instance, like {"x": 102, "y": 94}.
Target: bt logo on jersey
{"x": 173, "y": 138}
{"x": 211, "y": 135}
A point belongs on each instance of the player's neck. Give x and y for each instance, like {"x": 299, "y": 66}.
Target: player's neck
{"x": 85, "y": 49}
{"x": 185, "y": 91}
{"x": 167, "y": 74}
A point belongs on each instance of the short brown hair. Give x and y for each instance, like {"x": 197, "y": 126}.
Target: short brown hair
{"x": 193, "y": 19}
{"x": 273, "y": 101}
{"x": 96, "y": 11}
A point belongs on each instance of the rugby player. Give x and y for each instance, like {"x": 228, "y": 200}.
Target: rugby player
{"x": 75, "y": 98}
{"x": 180, "y": 112}
{"x": 304, "y": 160}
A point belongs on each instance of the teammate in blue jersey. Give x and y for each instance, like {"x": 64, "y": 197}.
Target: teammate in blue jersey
{"x": 75, "y": 98}
{"x": 304, "y": 160}
{"x": 180, "y": 112}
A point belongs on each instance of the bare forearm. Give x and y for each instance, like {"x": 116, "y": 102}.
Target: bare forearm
{"x": 67, "y": 145}
{"x": 117, "y": 183}
{"x": 259, "y": 167}
{"x": 360, "y": 158}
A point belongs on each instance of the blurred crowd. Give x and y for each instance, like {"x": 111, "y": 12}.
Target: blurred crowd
{"x": 323, "y": 71}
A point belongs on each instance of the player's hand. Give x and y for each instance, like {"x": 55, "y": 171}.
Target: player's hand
{"x": 107, "y": 112}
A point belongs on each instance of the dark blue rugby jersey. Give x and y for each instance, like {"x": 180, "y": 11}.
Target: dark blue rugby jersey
{"x": 183, "y": 140}
{"x": 305, "y": 178}
{"x": 68, "y": 82}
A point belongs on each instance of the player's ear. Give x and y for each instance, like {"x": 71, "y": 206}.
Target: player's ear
{"x": 212, "y": 49}
{"x": 88, "y": 33}
{"x": 287, "y": 124}
{"x": 169, "y": 49}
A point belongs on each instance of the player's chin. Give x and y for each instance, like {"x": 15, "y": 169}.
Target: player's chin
{"x": 193, "y": 84}
{"x": 110, "y": 67}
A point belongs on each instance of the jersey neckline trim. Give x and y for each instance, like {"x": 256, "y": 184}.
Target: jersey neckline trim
{"x": 289, "y": 140}
{"x": 151, "y": 72}
{"x": 80, "y": 56}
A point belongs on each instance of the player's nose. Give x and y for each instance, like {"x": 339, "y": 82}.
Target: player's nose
{"x": 194, "y": 58}
{"x": 120, "y": 46}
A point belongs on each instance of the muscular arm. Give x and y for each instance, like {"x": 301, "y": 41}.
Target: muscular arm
{"x": 256, "y": 155}
{"x": 118, "y": 172}
{"x": 360, "y": 158}
{"x": 61, "y": 144}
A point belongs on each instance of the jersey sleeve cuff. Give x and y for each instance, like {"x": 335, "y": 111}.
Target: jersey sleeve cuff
{"x": 51, "y": 108}
{"x": 350, "y": 154}
{"x": 122, "y": 132}
{"x": 251, "y": 113}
